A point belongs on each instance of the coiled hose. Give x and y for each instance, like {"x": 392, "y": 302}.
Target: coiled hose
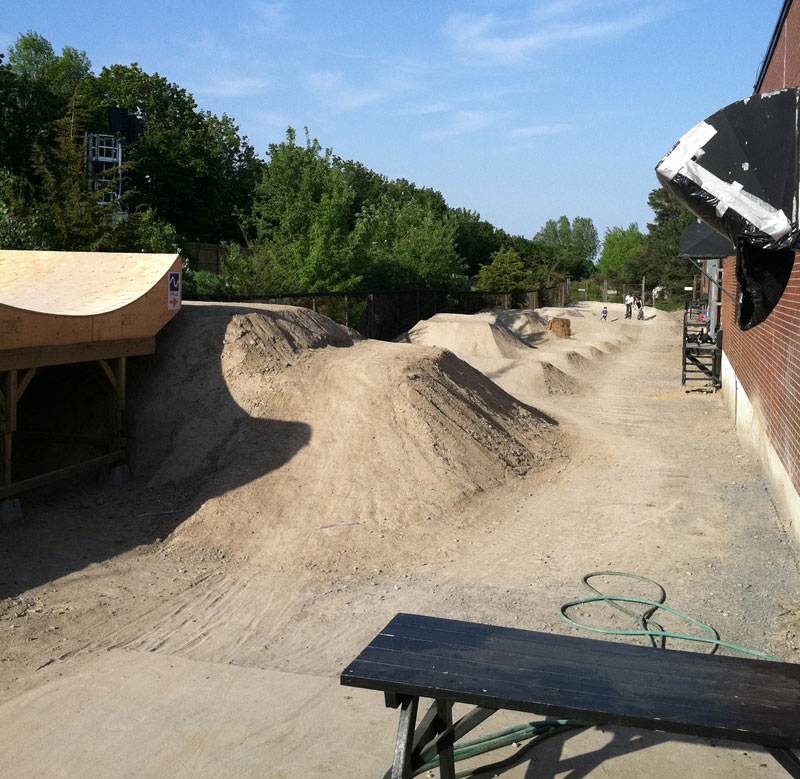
{"x": 536, "y": 732}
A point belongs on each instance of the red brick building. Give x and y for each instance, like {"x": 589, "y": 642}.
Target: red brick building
{"x": 761, "y": 367}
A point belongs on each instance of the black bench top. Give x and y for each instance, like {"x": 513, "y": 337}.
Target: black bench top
{"x": 602, "y": 682}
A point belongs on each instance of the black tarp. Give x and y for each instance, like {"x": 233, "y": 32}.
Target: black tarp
{"x": 738, "y": 172}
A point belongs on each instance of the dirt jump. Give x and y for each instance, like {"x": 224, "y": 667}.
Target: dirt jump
{"x": 295, "y": 485}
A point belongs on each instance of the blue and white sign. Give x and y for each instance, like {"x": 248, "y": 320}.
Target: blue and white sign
{"x": 174, "y": 296}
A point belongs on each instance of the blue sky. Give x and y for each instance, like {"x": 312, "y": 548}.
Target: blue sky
{"x": 521, "y": 111}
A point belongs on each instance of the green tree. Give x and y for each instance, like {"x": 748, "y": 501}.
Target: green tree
{"x": 577, "y": 244}
{"x": 294, "y": 193}
{"x": 189, "y": 166}
{"x": 32, "y": 57}
{"x": 141, "y": 231}
{"x": 18, "y": 225}
{"x": 404, "y": 244}
{"x": 27, "y": 107}
{"x": 658, "y": 258}
{"x": 506, "y": 273}
{"x": 619, "y": 246}
{"x": 476, "y": 239}
{"x": 68, "y": 212}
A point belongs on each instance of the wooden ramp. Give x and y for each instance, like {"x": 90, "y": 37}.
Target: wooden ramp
{"x": 60, "y": 308}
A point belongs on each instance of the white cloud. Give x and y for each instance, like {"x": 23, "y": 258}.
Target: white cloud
{"x": 269, "y": 18}
{"x": 332, "y": 89}
{"x": 509, "y": 40}
{"x": 462, "y": 123}
{"x": 222, "y": 71}
{"x": 424, "y": 109}
{"x": 539, "y": 130}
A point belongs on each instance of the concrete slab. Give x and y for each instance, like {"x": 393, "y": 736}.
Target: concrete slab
{"x": 148, "y": 715}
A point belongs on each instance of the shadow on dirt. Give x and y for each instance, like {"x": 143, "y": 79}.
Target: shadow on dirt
{"x": 189, "y": 441}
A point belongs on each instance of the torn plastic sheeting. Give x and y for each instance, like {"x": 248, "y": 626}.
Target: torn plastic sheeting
{"x": 739, "y": 172}
{"x": 769, "y": 220}
{"x": 762, "y": 275}
{"x": 746, "y": 186}
{"x": 686, "y": 148}
{"x": 700, "y": 242}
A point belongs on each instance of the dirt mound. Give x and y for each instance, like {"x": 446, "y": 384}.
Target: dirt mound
{"x": 557, "y": 381}
{"x": 182, "y": 416}
{"x": 283, "y": 333}
{"x": 570, "y": 313}
{"x": 470, "y": 335}
{"x": 578, "y": 361}
{"x": 289, "y": 453}
{"x": 528, "y": 325}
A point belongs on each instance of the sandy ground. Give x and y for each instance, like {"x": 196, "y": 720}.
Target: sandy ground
{"x": 295, "y": 486}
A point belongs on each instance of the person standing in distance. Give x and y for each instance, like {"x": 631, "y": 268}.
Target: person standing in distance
{"x": 628, "y": 305}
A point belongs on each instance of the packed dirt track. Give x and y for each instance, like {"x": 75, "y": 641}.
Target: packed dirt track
{"x": 294, "y": 486}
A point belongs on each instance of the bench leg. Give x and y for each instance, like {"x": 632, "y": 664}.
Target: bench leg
{"x": 436, "y": 734}
{"x": 444, "y": 744}
{"x": 787, "y": 759}
{"x": 401, "y": 767}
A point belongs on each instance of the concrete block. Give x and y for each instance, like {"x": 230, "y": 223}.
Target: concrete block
{"x": 10, "y": 511}
{"x": 118, "y": 475}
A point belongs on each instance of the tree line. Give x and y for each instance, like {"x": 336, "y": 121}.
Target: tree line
{"x": 299, "y": 220}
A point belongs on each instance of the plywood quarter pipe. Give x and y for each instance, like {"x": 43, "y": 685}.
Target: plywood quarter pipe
{"x": 52, "y": 299}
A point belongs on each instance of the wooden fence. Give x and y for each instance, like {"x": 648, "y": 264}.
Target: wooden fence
{"x": 385, "y": 315}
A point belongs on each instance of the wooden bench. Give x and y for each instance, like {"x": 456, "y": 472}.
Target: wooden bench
{"x": 597, "y": 682}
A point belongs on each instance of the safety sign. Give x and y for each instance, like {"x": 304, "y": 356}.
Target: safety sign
{"x": 174, "y": 296}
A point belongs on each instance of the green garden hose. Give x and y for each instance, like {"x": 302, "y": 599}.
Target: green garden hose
{"x": 536, "y": 732}
{"x": 644, "y": 618}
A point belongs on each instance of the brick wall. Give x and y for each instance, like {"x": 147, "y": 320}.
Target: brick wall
{"x": 766, "y": 359}
{"x": 784, "y": 67}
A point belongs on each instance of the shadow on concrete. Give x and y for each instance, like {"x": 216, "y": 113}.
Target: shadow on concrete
{"x": 547, "y": 761}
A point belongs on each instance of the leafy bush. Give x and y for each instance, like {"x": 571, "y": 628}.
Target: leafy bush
{"x": 202, "y": 284}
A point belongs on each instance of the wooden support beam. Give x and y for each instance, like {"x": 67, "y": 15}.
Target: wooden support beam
{"x": 26, "y": 380}
{"x": 108, "y": 372}
{"x": 61, "y": 438}
{"x": 39, "y": 356}
{"x": 44, "y": 479}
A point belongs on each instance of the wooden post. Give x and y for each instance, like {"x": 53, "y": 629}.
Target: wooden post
{"x": 346, "y": 313}
{"x": 120, "y": 374}
{"x": 9, "y": 421}
{"x": 116, "y": 376}
{"x": 371, "y": 303}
